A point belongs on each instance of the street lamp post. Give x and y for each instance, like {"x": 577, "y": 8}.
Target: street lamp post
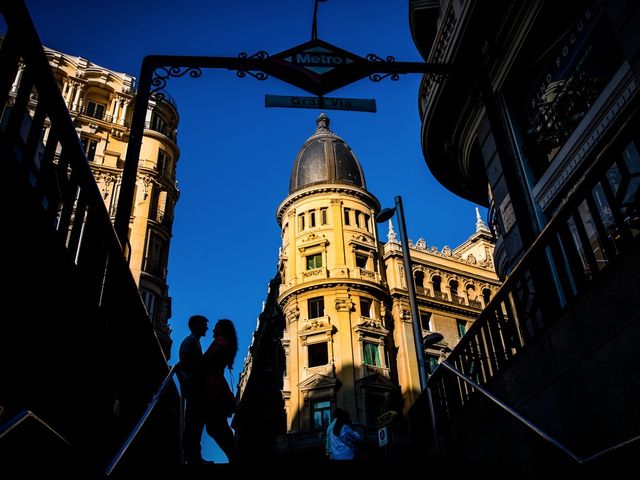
{"x": 384, "y": 215}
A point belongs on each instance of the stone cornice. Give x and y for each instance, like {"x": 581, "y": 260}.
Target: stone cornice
{"x": 330, "y": 284}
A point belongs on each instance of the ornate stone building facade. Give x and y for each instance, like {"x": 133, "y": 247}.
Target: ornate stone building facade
{"x": 100, "y": 103}
{"x": 336, "y": 330}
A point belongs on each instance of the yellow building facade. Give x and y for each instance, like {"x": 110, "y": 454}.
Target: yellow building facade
{"x": 343, "y": 314}
{"x": 100, "y": 102}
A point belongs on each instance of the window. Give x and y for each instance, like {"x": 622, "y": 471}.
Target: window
{"x": 371, "y": 354}
{"x": 164, "y": 162}
{"x": 486, "y": 294}
{"x": 150, "y": 301}
{"x": 323, "y": 216}
{"x": 94, "y": 110}
{"x": 347, "y": 216}
{"x": 432, "y": 362}
{"x": 301, "y": 222}
{"x": 358, "y": 215}
{"x": 154, "y": 263}
{"x": 437, "y": 281}
{"x": 314, "y": 261}
{"x": 453, "y": 285}
{"x": 366, "y": 222}
{"x": 158, "y": 123}
{"x": 315, "y": 307}
{"x": 321, "y": 412}
{"x": 365, "y": 307}
{"x": 425, "y": 320}
{"x": 462, "y": 327}
{"x": 89, "y": 146}
{"x": 569, "y": 59}
{"x": 318, "y": 354}
{"x": 361, "y": 260}
{"x": 312, "y": 218}
{"x": 419, "y": 279}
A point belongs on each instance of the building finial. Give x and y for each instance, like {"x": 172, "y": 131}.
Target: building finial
{"x": 323, "y": 123}
{"x": 480, "y": 225}
{"x": 391, "y": 234}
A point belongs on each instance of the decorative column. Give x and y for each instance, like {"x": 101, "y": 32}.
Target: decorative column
{"x": 76, "y": 98}
{"x": 116, "y": 109}
{"x": 462, "y": 292}
{"x": 18, "y": 79}
{"x": 292, "y": 276}
{"x": 147, "y": 118}
{"x": 125, "y": 106}
{"x": 336, "y": 214}
{"x": 69, "y": 95}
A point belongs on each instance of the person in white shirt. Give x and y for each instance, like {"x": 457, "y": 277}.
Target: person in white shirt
{"x": 341, "y": 437}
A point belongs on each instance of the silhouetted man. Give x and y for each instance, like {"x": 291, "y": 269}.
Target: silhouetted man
{"x": 192, "y": 386}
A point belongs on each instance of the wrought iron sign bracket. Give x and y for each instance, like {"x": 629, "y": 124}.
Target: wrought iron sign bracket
{"x": 315, "y": 66}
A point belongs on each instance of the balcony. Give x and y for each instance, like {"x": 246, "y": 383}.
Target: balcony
{"x": 364, "y": 274}
{"x": 154, "y": 267}
{"x": 314, "y": 273}
{"x": 163, "y": 129}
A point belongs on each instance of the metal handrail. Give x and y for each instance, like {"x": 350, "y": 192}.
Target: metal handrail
{"x": 134, "y": 433}
{"x": 26, "y": 415}
{"x": 579, "y": 459}
{"x": 22, "y": 417}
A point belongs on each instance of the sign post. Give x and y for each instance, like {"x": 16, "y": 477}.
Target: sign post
{"x": 383, "y": 422}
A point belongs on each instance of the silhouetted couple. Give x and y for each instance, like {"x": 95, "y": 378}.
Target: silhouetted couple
{"x": 209, "y": 400}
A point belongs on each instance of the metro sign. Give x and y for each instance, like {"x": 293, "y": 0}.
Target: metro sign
{"x": 319, "y": 67}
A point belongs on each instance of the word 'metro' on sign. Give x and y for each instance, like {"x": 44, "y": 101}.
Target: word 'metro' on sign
{"x": 318, "y": 59}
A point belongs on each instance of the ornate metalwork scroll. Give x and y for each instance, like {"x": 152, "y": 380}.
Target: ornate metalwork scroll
{"x": 376, "y": 77}
{"x": 258, "y": 75}
{"x": 161, "y": 74}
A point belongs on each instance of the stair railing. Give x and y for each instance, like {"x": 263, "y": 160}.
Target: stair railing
{"x": 27, "y": 416}
{"x": 581, "y": 460}
{"x": 145, "y": 416}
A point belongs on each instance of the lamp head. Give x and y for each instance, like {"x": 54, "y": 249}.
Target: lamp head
{"x": 432, "y": 339}
{"x": 385, "y": 214}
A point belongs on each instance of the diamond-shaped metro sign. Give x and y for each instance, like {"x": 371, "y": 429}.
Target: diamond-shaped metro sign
{"x": 319, "y": 67}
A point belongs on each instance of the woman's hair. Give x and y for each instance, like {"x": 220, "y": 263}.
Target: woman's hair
{"x": 224, "y": 328}
{"x": 342, "y": 418}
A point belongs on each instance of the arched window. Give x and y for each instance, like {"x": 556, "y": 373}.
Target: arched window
{"x": 486, "y": 295}
{"x": 419, "y": 281}
{"x": 453, "y": 285}
{"x": 437, "y": 286}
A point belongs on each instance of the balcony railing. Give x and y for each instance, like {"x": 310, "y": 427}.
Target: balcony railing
{"x": 163, "y": 129}
{"x": 154, "y": 267}
{"x": 598, "y": 223}
{"x": 459, "y": 300}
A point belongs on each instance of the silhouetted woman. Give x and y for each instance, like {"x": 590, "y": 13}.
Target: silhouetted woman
{"x": 220, "y": 400}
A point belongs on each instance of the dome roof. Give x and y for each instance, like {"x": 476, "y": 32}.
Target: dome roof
{"x": 325, "y": 158}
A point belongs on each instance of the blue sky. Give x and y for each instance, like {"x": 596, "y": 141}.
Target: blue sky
{"x": 236, "y": 155}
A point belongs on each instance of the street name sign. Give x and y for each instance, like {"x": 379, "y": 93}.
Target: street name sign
{"x": 327, "y": 103}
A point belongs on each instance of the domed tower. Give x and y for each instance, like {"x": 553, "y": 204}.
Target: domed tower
{"x": 332, "y": 292}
